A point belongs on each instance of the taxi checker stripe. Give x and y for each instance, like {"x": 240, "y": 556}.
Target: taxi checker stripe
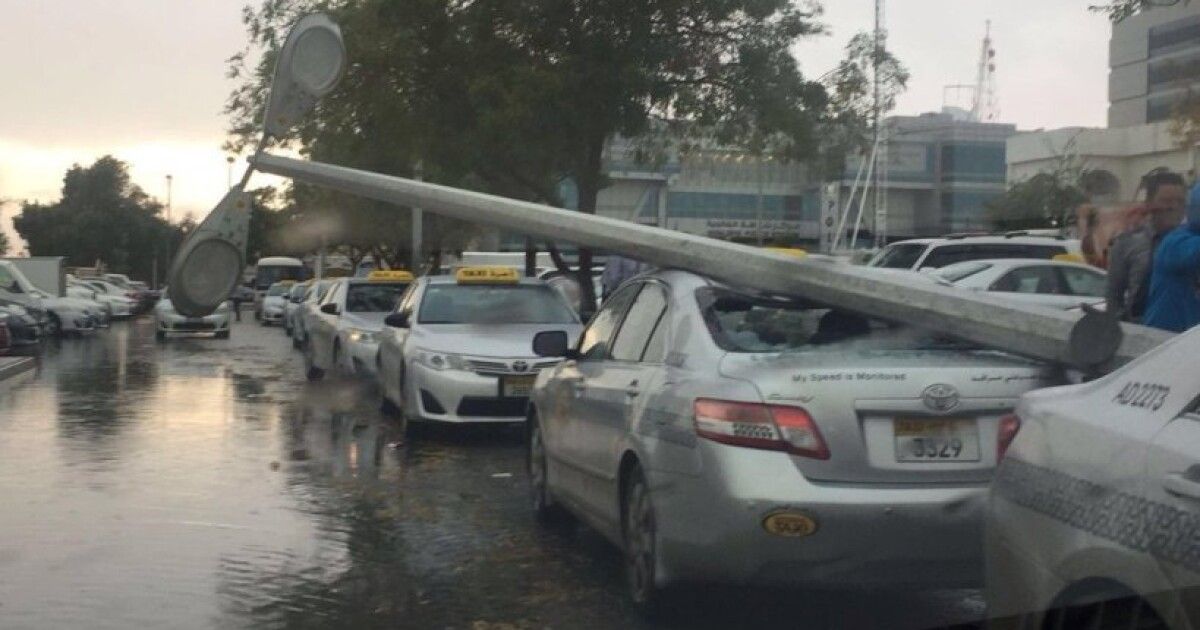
{"x": 1161, "y": 530}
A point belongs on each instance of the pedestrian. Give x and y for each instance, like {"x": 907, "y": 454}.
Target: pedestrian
{"x": 1130, "y": 257}
{"x": 236, "y": 299}
{"x": 1173, "y": 303}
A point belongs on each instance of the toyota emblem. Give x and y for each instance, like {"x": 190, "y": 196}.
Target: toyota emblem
{"x": 940, "y": 397}
{"x": 520, "y": 366}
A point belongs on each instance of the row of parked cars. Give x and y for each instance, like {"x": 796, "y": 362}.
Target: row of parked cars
{"x": 29, "y": 314}
{"x": 720, "y": 435}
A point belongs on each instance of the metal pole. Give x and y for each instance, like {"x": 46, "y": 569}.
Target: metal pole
{"x": 986, "y": 320}
{"x": 418, "y": 227}
{"x": 169, "y": 178}
{"x": 229, "y": 172}
{"x": 759, "y": 210}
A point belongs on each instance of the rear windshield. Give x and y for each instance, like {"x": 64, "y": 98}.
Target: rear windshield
{"x": 279, "y": 289}
{"x": 484, "y": 304}
{"x": 373, "y": 298}
{"x": 753, "y": 324}
{"x": 899, "y": 256}
{"x": 961, "y": 271}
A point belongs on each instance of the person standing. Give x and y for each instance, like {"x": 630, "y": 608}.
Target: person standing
{"x": 618, "y": 269}
{"x": 1130, "y": 258}
{"x": 1173, "y": 303}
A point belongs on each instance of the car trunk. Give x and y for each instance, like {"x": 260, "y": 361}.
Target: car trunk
{"x": 896, "y": 416}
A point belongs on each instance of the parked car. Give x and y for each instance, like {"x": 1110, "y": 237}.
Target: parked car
{"x": 139, "y": 292}
{"x": 273, "y": 303}
{"x": 294, "y": 298}
{"x": 307, "y": 310}
{"x": 86, "y": 295}
{"x": 457, "y": 348}
{"x": 168, "y": 321}
{"x": 1095, "y": 510}
{"x": 706, "y": 431}
{"x": 63, "y": 314}
{"x": 1050, "y": 283}
{"x": 934, "y": 253}
{"x": 116, "y": 300}
{"x": 344, "y": 332}
{"x": 24, "y": 327}
{"x": 5, "y": 335}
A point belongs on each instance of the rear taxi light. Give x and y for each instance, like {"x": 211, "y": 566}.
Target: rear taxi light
{"x": 755, "y": 425}
{"x": 1009, "y": 426}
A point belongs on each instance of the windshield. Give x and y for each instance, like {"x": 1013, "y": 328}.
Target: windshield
{"x": 742, "y": 323}
{"x": 506, "y": 304}
{"x": 277, "y": 290}
{"x": 899, "y": 256}
{"x": 373, "y": 297}
{"x": 265, "y": 276}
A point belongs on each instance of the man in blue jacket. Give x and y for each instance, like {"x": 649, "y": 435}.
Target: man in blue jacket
{"x": 1173, "y": 303}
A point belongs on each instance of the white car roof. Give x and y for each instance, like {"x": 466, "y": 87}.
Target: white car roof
{"x": 974, "y": 240}
{"x": 1025, "y": 262}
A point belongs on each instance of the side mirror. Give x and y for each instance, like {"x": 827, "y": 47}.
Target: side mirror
{"x": 553, "y": 343}
{"x": 396, "y": 320}
{"x": 329, "y": 309}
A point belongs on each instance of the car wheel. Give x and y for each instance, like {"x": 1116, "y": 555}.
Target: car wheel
{"x": 641, "y": 545}
{"x": 54, "y": 326}
{"x": 311, "y": 372}
{"x": 544, "y": 507}
{"x": 224, "y": 334}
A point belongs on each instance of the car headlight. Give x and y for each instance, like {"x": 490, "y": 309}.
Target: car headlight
{"x": 365, "y": 336}
{"x": 440, "y": 360}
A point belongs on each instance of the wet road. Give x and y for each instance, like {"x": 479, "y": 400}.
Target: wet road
{"x": 203, "y": 484}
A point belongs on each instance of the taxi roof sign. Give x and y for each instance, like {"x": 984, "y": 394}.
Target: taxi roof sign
{"x": 795, "y": 252}
{"x": 390, "y": 275}
{"x": 487, "y": 275}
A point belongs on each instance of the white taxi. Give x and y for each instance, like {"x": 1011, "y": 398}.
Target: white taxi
{"x": 342, "y": 333}
{"x": 1094, "y": 517}
{"x": 459, "y": 348}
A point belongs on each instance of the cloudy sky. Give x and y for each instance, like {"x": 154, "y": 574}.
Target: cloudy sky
{"x": 145, "y": 79}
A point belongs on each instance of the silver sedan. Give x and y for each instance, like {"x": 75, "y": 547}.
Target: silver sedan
{"x": 716, "y": 435}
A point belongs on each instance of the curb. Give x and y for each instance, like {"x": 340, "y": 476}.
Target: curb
{"x": 12, "y": 366}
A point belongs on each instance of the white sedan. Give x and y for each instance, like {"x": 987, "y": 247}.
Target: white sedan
{"x": 1094, "y": 518}
{"x": 343, "y": 332}
{"x": 459, "y": 348}
{"x": 1050, "y": 283}
{"x": 168, "y": 321}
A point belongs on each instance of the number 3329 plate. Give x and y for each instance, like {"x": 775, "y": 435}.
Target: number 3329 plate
{"x": 940, "y": 440}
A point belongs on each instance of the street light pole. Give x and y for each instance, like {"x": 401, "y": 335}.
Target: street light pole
{"x": 169, "y": 178}
{"x": 229, "y": 173}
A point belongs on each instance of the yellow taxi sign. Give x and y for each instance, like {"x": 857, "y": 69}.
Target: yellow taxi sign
{"x": 790, "y": 251}
{"x": 487, "y": 275}
{"x": 1075, "y": 258}
{"x": 390, "y": 275}
{"x": 287, "y": 283}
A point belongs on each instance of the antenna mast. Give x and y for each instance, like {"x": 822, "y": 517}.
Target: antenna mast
{"x": 881, "y": 139}
{"x": 985, "y": 107}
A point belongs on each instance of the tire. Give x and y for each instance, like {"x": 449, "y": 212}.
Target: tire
{"x": 1116, "y": 614}
{"x": 640, "y": 534}
{"x": 311, "y": 372}
{"x": 54, "y": 326}
{"x": 545, "y": 510}
{"x": 224, "y": 334}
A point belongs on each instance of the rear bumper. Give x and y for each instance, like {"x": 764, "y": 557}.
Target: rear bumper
{"x": 210, "y": 324}
{"x": 711, "y": 527}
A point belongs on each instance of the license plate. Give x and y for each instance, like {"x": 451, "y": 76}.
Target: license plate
{"x": 516, "y": 386}
{"x": 936, "y": 440}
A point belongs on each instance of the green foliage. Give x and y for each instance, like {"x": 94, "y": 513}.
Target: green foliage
{"x": 102, "y": 216}
{"x": 1046, "y": 200}
{"x": 3, "y": 244}
{"x": 1120, "y": 10}
{"x": 511, "y": 97}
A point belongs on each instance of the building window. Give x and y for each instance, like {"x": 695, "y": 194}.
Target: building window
{"x": 1178, "y": 35}
{"x": 701, "y": 205}
{"x": 983, "y": 162}
{"x": 966, "y": 211}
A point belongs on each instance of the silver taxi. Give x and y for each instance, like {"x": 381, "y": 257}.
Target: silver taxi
{"x": 716, "y": 435}
{"x": 457, "y": 349}
{"x": 306, "y": 310}
{"x": 1094, "y": 518}
{"x": 343, "y": 332}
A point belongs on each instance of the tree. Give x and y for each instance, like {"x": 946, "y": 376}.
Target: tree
{"x": 101, "y": 217}
{"x": 3, "y": 244}
{"x": 1120, "y": 10}
{"x": 513, "y": 97}
{"x": 1046, "y": 200}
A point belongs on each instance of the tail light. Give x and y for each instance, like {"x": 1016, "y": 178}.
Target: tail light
{"x": 754, "y": 425}
{"x": 1009, "y": 426}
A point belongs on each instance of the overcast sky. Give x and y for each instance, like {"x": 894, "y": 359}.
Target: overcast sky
{"x": 145, "y": 79}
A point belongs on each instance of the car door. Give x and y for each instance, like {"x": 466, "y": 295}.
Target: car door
{"x": 324, "y": 328}
{"x": 1035, "y": 284}
{"x": 1083, "y": 284}
{"x": 1173, "y": 507}
{"x": 391, "y": 352}
{"x": 616, "y": 387}
{"x": 566, "y": 423}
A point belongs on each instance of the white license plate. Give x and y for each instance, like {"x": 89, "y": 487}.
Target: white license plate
{"x": 516, "y": 386}
{"x": 936, "y": 440}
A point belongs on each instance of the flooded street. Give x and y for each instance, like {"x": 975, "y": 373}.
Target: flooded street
{"x": 203, "y": 484}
